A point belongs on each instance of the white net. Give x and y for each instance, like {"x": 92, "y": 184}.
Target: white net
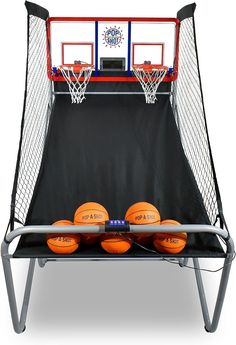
{"x": 77, "y": 80}
{"x": 150, "y": 78}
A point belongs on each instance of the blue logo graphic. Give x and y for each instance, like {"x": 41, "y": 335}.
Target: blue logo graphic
{"x": 113, "y": 37}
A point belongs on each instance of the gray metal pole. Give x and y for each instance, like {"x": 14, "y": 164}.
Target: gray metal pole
{"x": 42, "y": 262}
{"x": 11, "y": 294}
{"x": 110, "y": 93}
{"x": 18, "y": 325}
{"x": 211, "y": 326}
{"x": 221, "y": 295}
{"x": 202, "y": 295}
{"x": 28, "y": 286}
{"x": 43, "y": 229}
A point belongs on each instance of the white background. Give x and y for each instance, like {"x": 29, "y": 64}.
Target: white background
{"x": 111, "y": 303}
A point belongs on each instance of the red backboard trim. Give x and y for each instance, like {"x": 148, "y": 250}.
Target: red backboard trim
{"x": 112, "y": 19}
{"x": 113, "y": 79}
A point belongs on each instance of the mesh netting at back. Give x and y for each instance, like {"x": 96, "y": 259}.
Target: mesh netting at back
{"x": 35, "y": 117}
{"x": 190, "y": 117}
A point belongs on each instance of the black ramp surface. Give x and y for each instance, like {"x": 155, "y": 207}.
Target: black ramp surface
{"x": 115, "y": 150}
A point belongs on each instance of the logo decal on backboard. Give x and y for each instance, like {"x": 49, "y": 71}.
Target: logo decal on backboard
{"x": 113, "y": 37}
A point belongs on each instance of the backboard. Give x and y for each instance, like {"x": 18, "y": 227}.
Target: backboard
{"x": 152, "y": 53}
{"x": 113, "y": 45}
{"x": 77, "y": 51}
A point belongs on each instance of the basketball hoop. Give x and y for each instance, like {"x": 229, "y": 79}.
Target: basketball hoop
{"x": 150, "y": 76}
{"x": 77, "y": 77}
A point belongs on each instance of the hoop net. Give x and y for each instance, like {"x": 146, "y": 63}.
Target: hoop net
{"x": 150, "y": 77}
{"x": 77, "y": 78}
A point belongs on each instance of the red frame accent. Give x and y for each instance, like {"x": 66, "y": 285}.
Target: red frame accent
{"x": 148, "y": 44}
{"x": 79, "y": 44}
{"x": 113, "y": 19}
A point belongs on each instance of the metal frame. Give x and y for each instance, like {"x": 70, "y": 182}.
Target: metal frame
{"x": 18, "y": 322}
{"x": 167, "y": 93}
{"x": 210, "y": 325}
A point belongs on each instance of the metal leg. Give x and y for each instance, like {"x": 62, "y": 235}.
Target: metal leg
{"x": 42, "y": 262}
{"x": 211, "y": 326}
{"x": 18, "y": 324}
{"x": 202, "y": 295}
{"x": 183, "y": 262}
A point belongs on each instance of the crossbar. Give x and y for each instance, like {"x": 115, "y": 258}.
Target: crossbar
{"x": 111, "y": 93}
{"x": 44, "y": 229}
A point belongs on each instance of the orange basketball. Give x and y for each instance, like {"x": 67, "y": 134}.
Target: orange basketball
{"x": 143, "y": 238}
{"x": 171, "y": 243}
{"x": 90, "y": 213}
{"x": 63, "y": 243}
{"x": 63, "y": 222}
{"x": 169, "y": 222}
{"x": 143, "y": 213}
{"x": 89, "y": 239}
{"x": 115, "y": 243}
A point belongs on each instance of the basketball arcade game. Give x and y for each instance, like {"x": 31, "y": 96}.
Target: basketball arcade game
{"x": 114, "y": 113}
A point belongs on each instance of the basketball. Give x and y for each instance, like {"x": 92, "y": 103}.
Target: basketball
{"x": 64, "y": 222}
{"x": 143, "y": 238}
{"x": 90, "y": 213}
{"x": 89, "y": 240}
{"x": 63, "y": 243}
{"x": 143, "y": 213}
{"x": 170, "y": 243}
{"x": 115, "y": 243}
{"x": 169, "y": 222}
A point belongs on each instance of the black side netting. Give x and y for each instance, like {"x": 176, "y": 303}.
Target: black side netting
{"x": 35, "y": 120}
{"x": 190, "y": 117}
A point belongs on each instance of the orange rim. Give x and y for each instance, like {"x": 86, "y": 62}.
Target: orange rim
{"x": 76, "y": 67}
{"x": 149, "y": 68}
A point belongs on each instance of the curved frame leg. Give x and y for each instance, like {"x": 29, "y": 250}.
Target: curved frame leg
{"x": 18, "y": 323}
{"x": 211, "y": 325}
{"x": 183, "y": 262}
{"x": 42, "y": 262}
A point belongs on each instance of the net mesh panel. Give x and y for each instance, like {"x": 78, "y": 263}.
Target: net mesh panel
{"x": 35, "y": 117}
{"x": 190, "y": 117}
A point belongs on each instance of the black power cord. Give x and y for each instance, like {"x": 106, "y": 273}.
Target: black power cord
{"x": 177, "y": 263}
